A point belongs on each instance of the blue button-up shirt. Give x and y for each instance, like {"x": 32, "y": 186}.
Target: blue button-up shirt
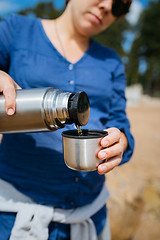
{"x": 33, "y": 162}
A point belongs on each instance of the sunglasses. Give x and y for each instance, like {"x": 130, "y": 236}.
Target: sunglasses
{"x": 120, "y": 7}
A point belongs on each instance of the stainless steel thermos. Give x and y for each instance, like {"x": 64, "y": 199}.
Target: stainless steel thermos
{"x": 44, "y": 109}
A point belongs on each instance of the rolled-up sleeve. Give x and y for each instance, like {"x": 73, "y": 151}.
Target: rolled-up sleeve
{"x": 117, "y": 115}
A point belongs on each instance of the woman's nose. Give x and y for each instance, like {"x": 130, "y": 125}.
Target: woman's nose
{"x": 106, "y": 5}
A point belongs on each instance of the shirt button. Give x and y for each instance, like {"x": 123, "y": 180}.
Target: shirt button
{"x": 76, "y": 179}
{"x": 71, "y": 82}
{"x": 70, "y": 66}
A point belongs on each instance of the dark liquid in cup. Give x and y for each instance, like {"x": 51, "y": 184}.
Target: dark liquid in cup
{"x": 84, "y": 134}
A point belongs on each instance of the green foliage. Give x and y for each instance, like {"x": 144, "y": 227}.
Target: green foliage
{"x": 113, "y": 37}
{"x": 147, "y": 47}
{"x": 150, "y": 34}
{"x": 42, "y": 10}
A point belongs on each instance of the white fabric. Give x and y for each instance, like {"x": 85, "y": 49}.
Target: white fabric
{"x": 32, "y": 219}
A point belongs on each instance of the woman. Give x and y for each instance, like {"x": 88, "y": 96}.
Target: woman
{"x": 60, "y": 53}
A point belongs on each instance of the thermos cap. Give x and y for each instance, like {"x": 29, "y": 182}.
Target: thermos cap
{"x": 79, "y": 108}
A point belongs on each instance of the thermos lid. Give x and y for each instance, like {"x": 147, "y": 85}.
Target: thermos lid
{"x": 79, "y": 108}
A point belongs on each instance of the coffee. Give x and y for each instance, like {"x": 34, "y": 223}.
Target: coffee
{"x": 79, "y": 130}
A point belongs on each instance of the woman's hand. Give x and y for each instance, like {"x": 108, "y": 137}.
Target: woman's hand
{"x": 7, "y": 87}
{"x": 113, "y": 147}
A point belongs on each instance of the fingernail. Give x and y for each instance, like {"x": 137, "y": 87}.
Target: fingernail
{"x": 103, "y": 155}
{"x": 103, "y": 168}
{"x": 105, "y": 143}
{"x": 10, "y": 111}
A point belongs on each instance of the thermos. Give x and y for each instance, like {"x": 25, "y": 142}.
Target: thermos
{"x": 44, "y": 109}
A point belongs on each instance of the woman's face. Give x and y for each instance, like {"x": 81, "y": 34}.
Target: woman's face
{"x": 91, "y": 16}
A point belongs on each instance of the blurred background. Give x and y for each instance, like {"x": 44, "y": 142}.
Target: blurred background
{"x": 134, "y": 204}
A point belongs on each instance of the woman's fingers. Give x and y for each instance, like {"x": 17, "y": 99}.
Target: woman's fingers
{"x": 109, "y": 143}
{"x": 113, "y": 147}
{"x": 7, "y": 87}
{"x": 114, "y": 135}
{"x": 109, "y": 164}
{"x": 110, "y": 152}
{"x": 10, "y": 96}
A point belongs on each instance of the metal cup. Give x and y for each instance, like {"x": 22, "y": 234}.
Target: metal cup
{"x": 80, "y": 152}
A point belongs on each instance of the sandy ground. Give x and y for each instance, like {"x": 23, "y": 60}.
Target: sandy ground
{"x": 145, "y": 122}
{"x": 134, "y": 204}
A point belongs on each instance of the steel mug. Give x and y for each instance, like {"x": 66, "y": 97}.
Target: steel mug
{"x": 80, "y": 152}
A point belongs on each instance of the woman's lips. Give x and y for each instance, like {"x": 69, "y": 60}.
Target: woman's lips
{"x": 95, "y": 19}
